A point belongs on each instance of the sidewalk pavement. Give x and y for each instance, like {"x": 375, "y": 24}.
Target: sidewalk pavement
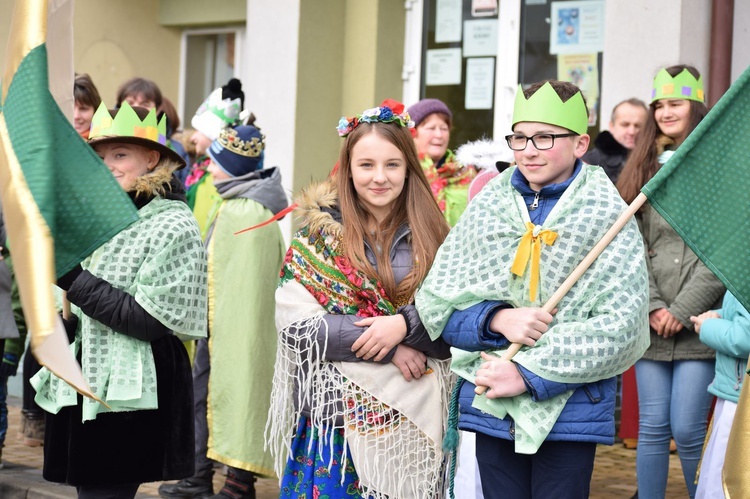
{"x": 21, "y": 476}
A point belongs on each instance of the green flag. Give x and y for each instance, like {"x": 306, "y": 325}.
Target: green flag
{"x": 59, "y": 200}
{"x": 703, "y": 190}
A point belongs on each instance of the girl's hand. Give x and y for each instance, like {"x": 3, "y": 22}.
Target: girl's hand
{"x": 382, "y": 334}
{"x": 412, "y": 363}
{"x": 669, "y": 325}
{"x": 521, "y": 325}
{"x": 698, "y": 320}
{"x": 655, "y": 320}
{"x": 501, "y": 377}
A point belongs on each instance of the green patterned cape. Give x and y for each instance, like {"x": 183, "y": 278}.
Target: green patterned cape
{"x": 601, "y": 327}
{"x": 161, "y": 262}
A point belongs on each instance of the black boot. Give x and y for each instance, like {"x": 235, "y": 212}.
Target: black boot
{"x": 188, "y": 488}
{"x": 234, "y": 488}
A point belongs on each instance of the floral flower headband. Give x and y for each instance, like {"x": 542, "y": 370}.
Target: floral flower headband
{"x": 390, "y": 111}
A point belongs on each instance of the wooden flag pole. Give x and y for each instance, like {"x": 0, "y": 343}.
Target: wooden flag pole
{"x": 65, "y": 306}
{"x": 579, "y": 270}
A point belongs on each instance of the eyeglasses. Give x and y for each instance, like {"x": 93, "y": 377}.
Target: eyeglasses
{"x": 542, "y": 141}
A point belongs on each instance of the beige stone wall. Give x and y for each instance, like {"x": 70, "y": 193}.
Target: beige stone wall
{"x": 351, "y": 54}
{"x": 116, "y": 40}
{"x": 201, "y": 13}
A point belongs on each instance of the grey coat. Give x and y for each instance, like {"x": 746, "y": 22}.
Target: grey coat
{"x": 679, "y": 282}
{"x": 342, "y": 333}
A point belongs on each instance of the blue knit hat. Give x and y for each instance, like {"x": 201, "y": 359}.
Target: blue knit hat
{"x": 239, "y": 150}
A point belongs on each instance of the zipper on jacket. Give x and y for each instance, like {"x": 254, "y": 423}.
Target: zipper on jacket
{"x": 535, "y": 204}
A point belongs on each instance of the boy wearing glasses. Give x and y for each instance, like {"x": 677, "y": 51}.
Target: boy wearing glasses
{"x": 544, "y": 411}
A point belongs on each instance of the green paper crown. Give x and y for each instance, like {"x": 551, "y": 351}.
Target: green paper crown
{"x": 682, "y": 86}
{"x": 545, "y": 106}
{"x": 127, "y": 124}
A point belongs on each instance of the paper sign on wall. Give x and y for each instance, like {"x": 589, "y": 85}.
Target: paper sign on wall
{"x": 443, "y": 67}
{"x": 448, "y": 21}
{"x": 583, "y": 71}
{"x": 576, "y": 27}
{"x": 480, "y": 38}
{"x": 480, "y": 79}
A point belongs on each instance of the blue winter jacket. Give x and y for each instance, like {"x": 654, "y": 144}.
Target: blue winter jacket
{"x": 730, "y": 337}
{"x": 588, "y": 415}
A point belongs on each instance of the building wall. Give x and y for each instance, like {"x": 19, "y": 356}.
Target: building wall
{"x": 320, "y": 88}
{"x": 114, "y": 41}
{"x": 311, "y": 63}
{"x": 740, "y": 38}
{"x": 201, "y": 13}
{"x": 643, "y": 36}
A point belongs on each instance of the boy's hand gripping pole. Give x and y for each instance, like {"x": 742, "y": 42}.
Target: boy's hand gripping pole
{"x": 579, "y": 270}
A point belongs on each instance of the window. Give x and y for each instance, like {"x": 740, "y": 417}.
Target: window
{"x": 210, "y": 59}
{"x": 459, "y": 49}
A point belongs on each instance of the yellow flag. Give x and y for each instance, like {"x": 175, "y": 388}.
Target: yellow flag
{"x": 736, "y": 473}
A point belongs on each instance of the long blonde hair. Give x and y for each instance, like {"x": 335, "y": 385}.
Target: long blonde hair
{"x": 415, "y": 206}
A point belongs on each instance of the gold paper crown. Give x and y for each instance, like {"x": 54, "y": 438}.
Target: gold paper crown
{"x": 252, "y": 148}
{"x": 128, "y": 124}
{"x": 545, "y": 106}
{"x": 682, "y": 86}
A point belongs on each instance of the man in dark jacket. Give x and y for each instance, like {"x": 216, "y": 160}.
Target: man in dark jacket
{"x": 611, "y": 148}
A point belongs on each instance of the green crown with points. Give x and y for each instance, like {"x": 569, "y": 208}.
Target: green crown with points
{"x": 682, "y": 86}
{"x": 127, "y": 124}
{"x": 545, "y": 106}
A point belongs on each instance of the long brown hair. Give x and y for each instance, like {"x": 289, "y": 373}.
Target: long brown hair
{"x": 642, "y": 163}
{"x": 415, "y": 206}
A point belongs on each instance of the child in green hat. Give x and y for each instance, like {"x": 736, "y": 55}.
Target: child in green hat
{"x": 674, "y": 373}
{"x": 134, "y": 299}
{"x": 545, "y": 411}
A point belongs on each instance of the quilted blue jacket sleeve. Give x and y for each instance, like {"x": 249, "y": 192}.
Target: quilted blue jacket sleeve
{"x": 543, "y": 389}
{"x": 469, "y": 329}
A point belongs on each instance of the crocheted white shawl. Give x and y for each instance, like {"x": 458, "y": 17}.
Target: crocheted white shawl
{"x": 393, "y": 428}
{"x": 161, "y": 262}
{"x": 601, "y": 327}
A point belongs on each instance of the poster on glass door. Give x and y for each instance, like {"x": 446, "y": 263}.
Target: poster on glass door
{"x": 576, "y": 27}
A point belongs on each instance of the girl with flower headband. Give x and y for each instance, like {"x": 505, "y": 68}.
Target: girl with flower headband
{"x": 360, "y": 393}
{"x": 674, "y": 373}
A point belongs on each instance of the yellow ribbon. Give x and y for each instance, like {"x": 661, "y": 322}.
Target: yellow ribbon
{"x": 530, "y": 247}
